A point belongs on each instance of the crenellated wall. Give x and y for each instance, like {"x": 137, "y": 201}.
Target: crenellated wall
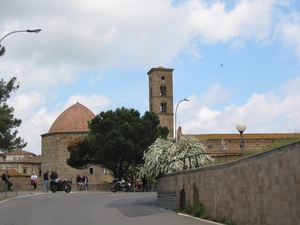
{"x": 261, "y": 189}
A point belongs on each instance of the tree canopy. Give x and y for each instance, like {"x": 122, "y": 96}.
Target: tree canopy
{"x": 166, "y": 156}
{"x": 117, "y": 140}
{"x": 8, "y": 124}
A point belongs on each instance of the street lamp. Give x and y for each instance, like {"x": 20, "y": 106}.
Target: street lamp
{"x": 241, "y": 127}
{"x": 32, "y": 30}
{"x": 176, "y": 138}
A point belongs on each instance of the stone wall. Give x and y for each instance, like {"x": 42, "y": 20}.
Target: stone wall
{"x": 55, "y": 155}
{"x": 261, "y": 189}
{"x": 253, "y": 142}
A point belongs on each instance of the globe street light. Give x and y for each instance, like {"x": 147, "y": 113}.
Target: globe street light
{"x": 32, "y": 30}
{"x": 176, "y": 137}
{"x": 241, "y": 127}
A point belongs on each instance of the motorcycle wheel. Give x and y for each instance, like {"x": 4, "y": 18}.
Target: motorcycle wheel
{"x": 54, "y": 189}
{"x": 155, "y": 188}
{"x": 114, "y": 189}
{"x": 68, "y": 188}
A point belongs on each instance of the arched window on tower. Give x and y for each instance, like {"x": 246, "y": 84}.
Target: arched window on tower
{"x": 162, "y": 90}
{"x": 163, "y": 107}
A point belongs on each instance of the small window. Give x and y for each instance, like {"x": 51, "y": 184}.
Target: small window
{"x": 19, "y": 158}
{"x": 162, "y": 90}
{"x": 91, "y": 170}
{"x": 162, "y": 77}
{"x": 15, "y": 158}
{"x": 104, "y": 170}
{"x": 24, "y": 171}
{"x": 163, "y": 107}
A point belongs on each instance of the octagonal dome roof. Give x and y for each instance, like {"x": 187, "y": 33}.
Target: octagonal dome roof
{"x": 73, "y": 119}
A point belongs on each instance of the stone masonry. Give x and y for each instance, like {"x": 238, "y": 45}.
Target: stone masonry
{"x": 263, "y": 189}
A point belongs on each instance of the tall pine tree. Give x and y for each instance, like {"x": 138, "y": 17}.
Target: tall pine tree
{"x": 8, "y": 124}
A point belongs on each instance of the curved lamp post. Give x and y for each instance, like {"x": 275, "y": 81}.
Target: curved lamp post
{"x": 32, "y": 30}
{"x": 241, "y": 127}
{"x": 176, "y": 138}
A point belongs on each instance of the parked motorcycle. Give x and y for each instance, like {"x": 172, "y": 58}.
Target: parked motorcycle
{"x": 61, "y": 185}
{"x": 120, "y": 186}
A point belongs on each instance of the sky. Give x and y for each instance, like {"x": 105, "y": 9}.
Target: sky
{"x": 235, "y": 60}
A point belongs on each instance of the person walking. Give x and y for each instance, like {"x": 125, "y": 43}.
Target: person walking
{"x": 46, "y": 181}
{"x": 33, "y": 180}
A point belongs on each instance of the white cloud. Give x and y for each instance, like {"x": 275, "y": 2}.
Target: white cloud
{"x": 95, "y": 103}
{"x": 249, "y": 19}
{"x": 85, "y": 40}
{"x": 260, "y": 113}
{"x": 290, "y": 31}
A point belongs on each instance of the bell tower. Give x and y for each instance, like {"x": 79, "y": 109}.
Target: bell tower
{"x": 161, "y": 96}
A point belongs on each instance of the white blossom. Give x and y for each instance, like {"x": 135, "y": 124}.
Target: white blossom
{"x": 166, "y": 156}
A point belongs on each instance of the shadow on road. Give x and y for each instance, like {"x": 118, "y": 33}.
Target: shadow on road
{"x": 136, "y": 207}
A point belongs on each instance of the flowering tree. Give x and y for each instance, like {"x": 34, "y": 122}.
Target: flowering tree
{"x": 166, "y": 156}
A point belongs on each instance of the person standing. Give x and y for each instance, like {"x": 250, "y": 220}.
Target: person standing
{"x": 55, "y": 175}
{"x": 5, "y": 178}
{"x": 145, "y": 183}
{"x": 46, "y": 181}
{"x": 52, "y": 178}
{"x": 79, "y": 182}
{"x": 85, "y": 180}
{"x": 33, "y": 180}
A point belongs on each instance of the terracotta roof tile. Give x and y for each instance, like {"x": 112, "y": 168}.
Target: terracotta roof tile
{"x": 73, "y": 119}
{"x": 29, "y": 159}
{"x": 245, "y": 136}
{"x": 18, "y": 152}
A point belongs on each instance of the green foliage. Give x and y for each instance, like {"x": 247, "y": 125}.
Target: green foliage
{"x": 117, "y": 140}
{"x": 165, "y": 155}
{"x": 8, "y": 124}
{"x": 199, "y": 210}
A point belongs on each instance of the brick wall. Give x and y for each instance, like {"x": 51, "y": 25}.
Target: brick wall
{"x": 261, "y": 189}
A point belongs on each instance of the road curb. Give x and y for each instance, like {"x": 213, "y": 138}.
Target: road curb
{"x": 196, "y": 218}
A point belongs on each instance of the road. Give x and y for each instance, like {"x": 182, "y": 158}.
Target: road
{"x": 89, "y": 208}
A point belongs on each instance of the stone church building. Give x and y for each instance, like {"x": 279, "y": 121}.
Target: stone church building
{"x": 69, "y": 126}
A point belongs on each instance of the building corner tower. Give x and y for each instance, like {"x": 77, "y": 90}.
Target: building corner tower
{"x": 161, "y": 96}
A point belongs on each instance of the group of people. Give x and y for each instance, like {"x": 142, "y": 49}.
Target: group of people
{"x": 47, "y": 177}
{"x": 82, "y": 182}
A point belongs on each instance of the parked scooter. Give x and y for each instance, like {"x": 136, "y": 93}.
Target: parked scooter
{"x": 120, "y": 186}
{"x": 61, "y": 185}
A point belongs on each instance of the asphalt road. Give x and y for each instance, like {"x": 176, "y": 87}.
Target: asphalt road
{"x": 89, "y": 208}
